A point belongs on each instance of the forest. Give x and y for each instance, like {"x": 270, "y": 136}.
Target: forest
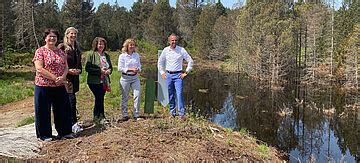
{"x": 274, "y": 42}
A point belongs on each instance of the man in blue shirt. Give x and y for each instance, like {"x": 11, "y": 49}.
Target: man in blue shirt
{"x": 170, "y": 67}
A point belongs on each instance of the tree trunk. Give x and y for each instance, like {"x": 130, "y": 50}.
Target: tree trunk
{"x": 2, "y": 27}
{"x": 33, "y": 25}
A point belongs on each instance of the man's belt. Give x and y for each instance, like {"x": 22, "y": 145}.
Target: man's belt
{"x": 173, "y": 72}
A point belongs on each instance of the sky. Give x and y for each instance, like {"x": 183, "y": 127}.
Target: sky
{"x": 129, "y": 3}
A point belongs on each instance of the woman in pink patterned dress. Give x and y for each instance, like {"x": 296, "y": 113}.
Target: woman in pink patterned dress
{"x": 51, "y": 69}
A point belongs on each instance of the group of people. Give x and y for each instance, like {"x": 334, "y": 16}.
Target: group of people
{"x": 57, "y": 80}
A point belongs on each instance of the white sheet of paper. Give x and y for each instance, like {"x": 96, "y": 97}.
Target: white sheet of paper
{"x": 162, "y": 89}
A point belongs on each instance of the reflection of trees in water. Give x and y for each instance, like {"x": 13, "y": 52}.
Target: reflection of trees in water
{"x": 320, "y": 105}
{"x": 346, "y": 123}
{"x": 227, "y": 117}
{"x": 257, "y": 108}
{"x": 205, "y": 92}
{"x": 304, "y": 127}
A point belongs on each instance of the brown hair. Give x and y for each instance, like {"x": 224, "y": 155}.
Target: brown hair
{"x": 50, "y": 30}
{"x": 126, "y": 44}
{"x": 173, "y": 34}
{"x": 96, "y": 41}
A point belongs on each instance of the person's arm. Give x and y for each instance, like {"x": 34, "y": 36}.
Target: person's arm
{"x": 62, "y": 78}
{"x": 79, "y": 66}
{"x": 39, "y": 66}
{"x": 161, "y": 64}
{"x": 189, "y": 60}
{"x": 139, "y": 64}
{"x": 121, "y": 64}
{"x": 91, "y": 67}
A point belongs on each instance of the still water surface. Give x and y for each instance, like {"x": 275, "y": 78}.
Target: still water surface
{"x": 318, "y": 124}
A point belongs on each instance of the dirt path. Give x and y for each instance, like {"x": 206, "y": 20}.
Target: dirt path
{"x": 19, "y": 142}
{"x": 12, "y": 113}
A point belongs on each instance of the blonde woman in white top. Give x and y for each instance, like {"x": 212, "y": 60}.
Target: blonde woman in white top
{"x": 129, "y": 65}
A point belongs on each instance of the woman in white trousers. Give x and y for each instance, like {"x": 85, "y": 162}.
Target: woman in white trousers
{"x": 129, "y": 65}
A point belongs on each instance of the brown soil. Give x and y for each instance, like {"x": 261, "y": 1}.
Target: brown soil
{"x": 155, "y": 138}
{"x": 152, "y": 139}
{"x": 12, "y": 113}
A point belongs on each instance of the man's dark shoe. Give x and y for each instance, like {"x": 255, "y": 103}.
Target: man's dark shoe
{"x": 182, "y": 118}
{"x": 123, "y": 119}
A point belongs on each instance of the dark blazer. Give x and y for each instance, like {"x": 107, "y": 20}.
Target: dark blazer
{"x": 74, "y": 62}
{"x": 93, "y": 68}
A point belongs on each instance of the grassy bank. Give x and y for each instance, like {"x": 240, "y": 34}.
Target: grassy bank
{"x": 15, "y": 84}
{"x": 160, "y": 139}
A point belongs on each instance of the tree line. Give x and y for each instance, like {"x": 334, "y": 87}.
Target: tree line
{"x": 275, "y": 42}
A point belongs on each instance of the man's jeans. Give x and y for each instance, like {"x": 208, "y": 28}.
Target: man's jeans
{"x": 175, "y": 85}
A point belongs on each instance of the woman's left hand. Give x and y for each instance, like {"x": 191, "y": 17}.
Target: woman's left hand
{"x": 60, "y": 79}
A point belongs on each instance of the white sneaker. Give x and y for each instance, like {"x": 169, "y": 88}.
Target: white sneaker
{"x": 104, "y": 122}
{"x": 76, "y": 128}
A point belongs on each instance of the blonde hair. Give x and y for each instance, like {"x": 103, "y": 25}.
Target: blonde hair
{"x": 67, "y": 31}
{"x": 126, "y": 44}
{"x": 66, "y": 39}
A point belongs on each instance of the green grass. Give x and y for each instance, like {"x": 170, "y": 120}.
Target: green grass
{"x": 264, "y": 151}
{"x": 244, "y": 131}
{"x": 15, "y": 86}
{"x": 26, "y": 121}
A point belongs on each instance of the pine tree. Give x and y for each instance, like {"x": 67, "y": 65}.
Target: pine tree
{"x": 79, "y": 14}
{"x": 352, "y": 62}
{"x": 102, "y": 22}
{"x": 47, "y": 16}
{"x": 120, "y": 25}
{"x": 140, "y": 12}
{"x": 25, "y": 32}
{"x": 202, "y": 35}
{"x": 188, "y": 15}
{"x": 160, "y": 24}
{"x": 9, "y": 25}
{"x": 2, "y": 25}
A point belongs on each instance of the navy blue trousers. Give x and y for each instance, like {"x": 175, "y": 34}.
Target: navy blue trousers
{"x": 99, "y": 93}
{"x": 44, "y": 99}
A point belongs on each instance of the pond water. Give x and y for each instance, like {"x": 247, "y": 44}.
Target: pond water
{"x": 310, "y": 124}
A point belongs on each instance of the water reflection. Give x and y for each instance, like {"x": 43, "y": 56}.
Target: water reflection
{"x": 227, "y": 117}
{"x": 318, "y": 124}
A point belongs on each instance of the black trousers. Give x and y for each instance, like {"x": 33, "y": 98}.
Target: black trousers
{"x": 44, "y": 99}
{"x": 72, "y": 100}
{"x": 99, "y": 93}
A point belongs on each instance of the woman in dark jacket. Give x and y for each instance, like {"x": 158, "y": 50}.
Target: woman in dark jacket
{"x": 98, "y": 66}
{"x": 72, "y": 50}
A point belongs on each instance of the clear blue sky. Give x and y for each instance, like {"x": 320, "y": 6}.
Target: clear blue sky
{"x": 129, "y": 3}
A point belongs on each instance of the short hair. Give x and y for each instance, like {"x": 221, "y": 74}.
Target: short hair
{"x": 67, "y": 31}
{"x": 173, "y": 34}
{"x": 126, "y": 44}
{"x": 47, "y": 31}
{"x": 96, "y": 41}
